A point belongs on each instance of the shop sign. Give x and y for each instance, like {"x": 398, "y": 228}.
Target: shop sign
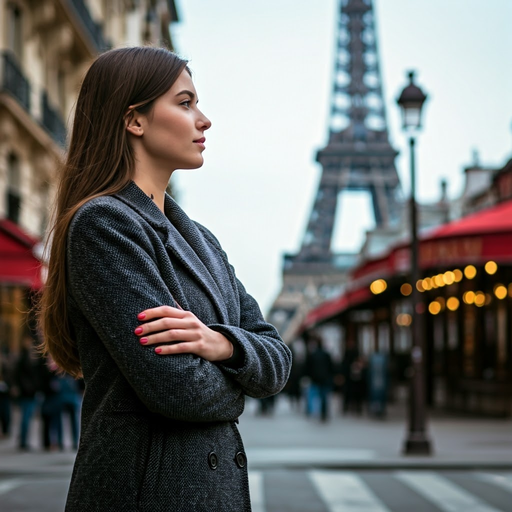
{"x": 450, "y": 251}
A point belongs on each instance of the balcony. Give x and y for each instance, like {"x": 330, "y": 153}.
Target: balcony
{"x": 52, "y": 121}
{"x": 13, "y": 81}
{"x": 92, "y": 28}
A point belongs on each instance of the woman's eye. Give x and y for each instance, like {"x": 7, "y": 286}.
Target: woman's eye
{"x": 186, "y": 103}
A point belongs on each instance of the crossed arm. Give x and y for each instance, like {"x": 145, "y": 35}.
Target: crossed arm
{"x": 114, "y": 278}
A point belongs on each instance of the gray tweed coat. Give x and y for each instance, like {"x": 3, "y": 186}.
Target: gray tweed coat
{"x": 159, "y": 432}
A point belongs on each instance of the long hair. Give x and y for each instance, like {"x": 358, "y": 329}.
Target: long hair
{"x": 100, "y": 161}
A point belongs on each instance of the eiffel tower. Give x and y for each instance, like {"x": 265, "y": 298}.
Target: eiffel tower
{"x": 358, "y": 156}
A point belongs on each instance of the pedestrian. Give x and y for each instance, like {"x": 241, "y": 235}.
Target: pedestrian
{"x": 142, "y": 302}
{"x": 357, "y": 386}
{"x": 5, "y": 396}
{"x": 293, "y": 387}
{"x": 51, "y": 408}
{"x": 27, "y": 381}
{"x": 70, "y": 399}
{"x": 350, "y": 355}
{"x": 319, "y": 368}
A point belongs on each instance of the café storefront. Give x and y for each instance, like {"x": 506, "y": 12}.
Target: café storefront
{"x": 465, "y": 310}
{"x": 20, "y": 279}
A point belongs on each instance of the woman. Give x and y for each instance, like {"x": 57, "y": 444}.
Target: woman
{"x": 143, "y": 303}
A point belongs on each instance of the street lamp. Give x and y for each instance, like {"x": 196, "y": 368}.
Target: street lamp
{"x": 411, "y": 101}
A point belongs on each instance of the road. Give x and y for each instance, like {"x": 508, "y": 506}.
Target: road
{"x": 298, "y": 464}
{"x": 317, "y": 491}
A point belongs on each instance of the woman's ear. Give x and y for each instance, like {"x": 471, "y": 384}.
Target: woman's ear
{"x": 133, "y": 123}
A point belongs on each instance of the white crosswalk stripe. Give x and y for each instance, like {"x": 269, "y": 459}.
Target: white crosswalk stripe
{"x": 345, "y": 492}
{"x": 443, "y": 493}
{"x": 9, "y": 485}
{"x": 256, "y": 490}
{"x": 501, "y": 480}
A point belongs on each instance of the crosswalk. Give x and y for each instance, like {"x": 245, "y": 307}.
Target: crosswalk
{"x": 380, "y": 491}
{"x": 280, "y": 490}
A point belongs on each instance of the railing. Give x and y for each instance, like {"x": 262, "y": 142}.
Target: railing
{"x": 52, "y": 121}
{"x": 94, "y": 29}
{"x": 13, "y": 80}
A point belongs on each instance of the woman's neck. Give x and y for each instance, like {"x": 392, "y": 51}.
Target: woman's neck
{"x": 153, "y": 187}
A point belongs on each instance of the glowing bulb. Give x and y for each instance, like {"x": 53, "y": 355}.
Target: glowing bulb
{"x": 470, "y": 271}
{"x": 406, "y": 289}
{"x": 500, "y": 291}
{"x": 449, "y": 277}
{"x": 479, "y": 299}
{"x": 469, "y": 297}
{"x": 378, "y": 286}
{"x": 434, "y": 307}
{"x": 491, "y": 267}
{"x": 439, "y": 280}
{"x": 458, "y": 275}
{"x": 452, "y": 303}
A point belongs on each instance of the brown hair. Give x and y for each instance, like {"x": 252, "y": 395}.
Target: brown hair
{"x": 100, "y": 161}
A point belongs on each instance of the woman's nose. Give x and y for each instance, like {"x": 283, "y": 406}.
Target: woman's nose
{"x": 205, "y": 122}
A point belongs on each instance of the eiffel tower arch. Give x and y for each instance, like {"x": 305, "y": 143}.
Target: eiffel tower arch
{"x": 358, "y": 156}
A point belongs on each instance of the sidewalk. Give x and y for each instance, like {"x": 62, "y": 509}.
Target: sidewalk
{"x": 290, "y": 440}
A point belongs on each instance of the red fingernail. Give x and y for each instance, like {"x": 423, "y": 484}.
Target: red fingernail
{"x": 138, "y": 330}
{"x": 158, "y": 350}
{"x": 141, "y": 316}
{"x": 143, "y": 340}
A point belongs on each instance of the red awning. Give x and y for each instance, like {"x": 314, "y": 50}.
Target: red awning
{"x": 497, "y": 219}
{"x": 476, "y": 239}
{"x": 18, "y": 263}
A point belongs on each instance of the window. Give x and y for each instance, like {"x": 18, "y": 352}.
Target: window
{"x": 14, "y": 30}
{"x": 13, "y": 188}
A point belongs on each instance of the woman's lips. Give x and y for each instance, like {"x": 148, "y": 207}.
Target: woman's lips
{"x": 200, "y": 142}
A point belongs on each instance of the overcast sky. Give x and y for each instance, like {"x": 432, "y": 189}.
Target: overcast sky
{"x": 263, "y": 72}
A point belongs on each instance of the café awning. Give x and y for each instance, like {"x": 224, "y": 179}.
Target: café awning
{"x": 19, "y": 264}
{"x": 476, "y": 239}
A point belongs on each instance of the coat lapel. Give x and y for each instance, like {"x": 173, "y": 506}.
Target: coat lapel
{"x": 182, "y": 238}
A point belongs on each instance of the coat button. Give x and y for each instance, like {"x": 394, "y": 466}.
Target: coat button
{"x": 213, "y": 460}
{"x": 241, "y": 459}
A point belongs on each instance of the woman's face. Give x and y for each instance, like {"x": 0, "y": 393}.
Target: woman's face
{"x": 173, "y": 130}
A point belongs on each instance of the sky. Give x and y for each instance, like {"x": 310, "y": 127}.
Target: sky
{"x": 263, "y": 72}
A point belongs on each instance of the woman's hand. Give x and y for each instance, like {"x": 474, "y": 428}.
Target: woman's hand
{"x": 165, "y": 324}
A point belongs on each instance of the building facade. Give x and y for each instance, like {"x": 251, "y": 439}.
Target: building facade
{"x": 46, "y": 46}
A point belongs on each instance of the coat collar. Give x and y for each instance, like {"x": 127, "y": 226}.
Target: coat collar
{"x": 183, "y": 238}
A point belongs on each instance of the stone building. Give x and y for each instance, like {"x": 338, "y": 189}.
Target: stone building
{"x": 46, "y": 46}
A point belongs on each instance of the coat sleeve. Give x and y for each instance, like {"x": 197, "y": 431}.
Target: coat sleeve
{"x": 266, "y": 359}
{"x": 113, "y": 276}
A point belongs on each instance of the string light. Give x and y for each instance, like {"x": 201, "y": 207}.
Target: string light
{"x": 378, "y": 286}
{"x": 491, "y": 267}
{"x": 406, "y": 289}
{"x": 470, "y": 271}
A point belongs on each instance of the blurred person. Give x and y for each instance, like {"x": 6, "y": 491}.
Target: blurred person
{"x": 350, "y": 355}
{"x": 267, "y": 405}
{"x": 320, "y": 370}
{"x": 293, "y": 387}
{"x": 5, "y": 396}
{"x": 357, "y": 385}
{"x": 51, "y": 407}
{"x": 142, "y": 302}
{"x": 27, "y": 381}
{"x": 70, "y": 401}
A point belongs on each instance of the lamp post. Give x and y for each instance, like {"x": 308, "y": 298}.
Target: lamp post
{"x": 411, "y": 101}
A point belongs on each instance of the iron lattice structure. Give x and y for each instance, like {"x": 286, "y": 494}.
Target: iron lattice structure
{"x": 358, "y": 155}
